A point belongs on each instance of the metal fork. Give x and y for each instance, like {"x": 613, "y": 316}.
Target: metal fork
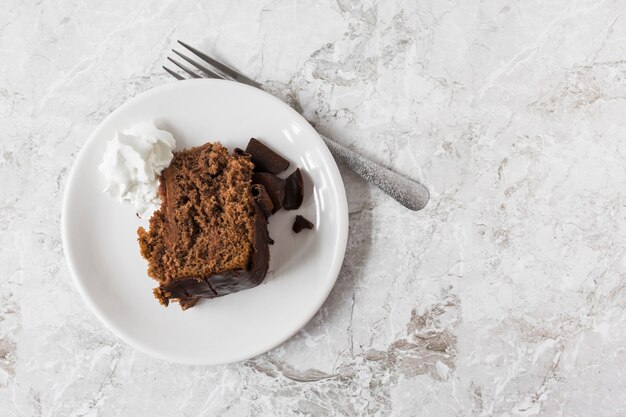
{"x": 408, "y": 192}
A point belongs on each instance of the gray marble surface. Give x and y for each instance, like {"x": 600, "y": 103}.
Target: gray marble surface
{"x": 506, "y": 296}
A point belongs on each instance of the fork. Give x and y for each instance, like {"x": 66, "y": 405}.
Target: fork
{"x": 410, "y": 193}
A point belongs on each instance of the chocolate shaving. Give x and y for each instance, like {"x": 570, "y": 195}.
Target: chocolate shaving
{"x": 274, "y": 186}
{"x": 265, "y": 159}
{"x": 301, "y": 223}
{"x": 262, "y": 199}
{"x": 294, "y": 191}
{"x": 241, "y": 152}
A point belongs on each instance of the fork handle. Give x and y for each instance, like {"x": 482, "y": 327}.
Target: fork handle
{"x": 411, "y": 194}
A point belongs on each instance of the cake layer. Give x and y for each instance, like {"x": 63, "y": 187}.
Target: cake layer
{"x": 188, "y": 290}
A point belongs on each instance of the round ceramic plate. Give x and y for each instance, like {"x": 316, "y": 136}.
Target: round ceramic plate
{"x": 100, "y": 233}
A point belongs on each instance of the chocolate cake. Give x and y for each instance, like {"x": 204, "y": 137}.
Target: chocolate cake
{"x": 209, "y": 238}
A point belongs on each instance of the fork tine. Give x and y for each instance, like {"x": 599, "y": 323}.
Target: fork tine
{"x": 195, "y": 64}
{"x": 173, "y": 74}
{"x": 223, "y": 68}
{"x": 184, "y": 68}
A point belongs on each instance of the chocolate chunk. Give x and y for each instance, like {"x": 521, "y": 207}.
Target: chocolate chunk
{"x": 274, "y": 186}
{"x": 262, "y": 199}
{"x": 265, "y": 159}
{"x": 294, "y": 191}
{"x": 301, "y": 223}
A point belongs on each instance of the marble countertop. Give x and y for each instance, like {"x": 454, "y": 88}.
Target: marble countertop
{"x": 506, "y": 296}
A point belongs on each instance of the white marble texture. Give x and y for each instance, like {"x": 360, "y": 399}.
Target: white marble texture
{"x": 506, "y": 296}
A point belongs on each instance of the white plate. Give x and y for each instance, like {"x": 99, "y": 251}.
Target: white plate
{"x": 100, "y": 241}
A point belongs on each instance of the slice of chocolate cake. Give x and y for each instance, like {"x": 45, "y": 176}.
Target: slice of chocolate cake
{"x": 209, "y": 238}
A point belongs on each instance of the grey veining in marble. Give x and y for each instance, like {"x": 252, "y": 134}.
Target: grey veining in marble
{"x": 506, "y": 296}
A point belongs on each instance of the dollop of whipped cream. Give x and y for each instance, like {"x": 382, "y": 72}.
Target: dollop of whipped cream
{"x": 132, "y": 162}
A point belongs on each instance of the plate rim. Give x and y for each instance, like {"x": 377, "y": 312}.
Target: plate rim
{"x": 342, "y": 226}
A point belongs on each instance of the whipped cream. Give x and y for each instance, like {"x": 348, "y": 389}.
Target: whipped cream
{"x": 132, "y": 162}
